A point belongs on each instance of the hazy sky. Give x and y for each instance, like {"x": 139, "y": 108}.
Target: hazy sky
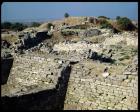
{"x": 28, "y": 11}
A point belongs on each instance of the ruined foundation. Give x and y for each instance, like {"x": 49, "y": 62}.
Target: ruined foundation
{"x": 40, "y": 96}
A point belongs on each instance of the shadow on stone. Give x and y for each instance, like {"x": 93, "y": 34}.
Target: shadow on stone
{"x": 102, "y": 58}
{"x": 52, "y": 99}
{"x": 63, "y": 82}
{"x": 6, "y": 65}
{"x": 40, "y": 37}
{"x": 30, "y": 41}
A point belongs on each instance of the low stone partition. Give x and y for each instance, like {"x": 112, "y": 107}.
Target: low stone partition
{"x": 80, "y": 32}
{"x": 28, "y": 40}
{"x": 89, "y": 90}
{"x": 76, "y": 51}
{"x": 36, "y": 83}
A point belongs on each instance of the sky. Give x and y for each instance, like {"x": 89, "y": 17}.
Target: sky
{"x": 43, "y": 11}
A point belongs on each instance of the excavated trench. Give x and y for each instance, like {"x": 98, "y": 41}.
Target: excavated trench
{"x": 52, "y": 99}
{"x": 6, "y": 65}
{"x": 32, "y": 42}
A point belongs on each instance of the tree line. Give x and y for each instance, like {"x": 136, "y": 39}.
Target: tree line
{"x": 17, "y": 26}
{"x": 123, "y": 23}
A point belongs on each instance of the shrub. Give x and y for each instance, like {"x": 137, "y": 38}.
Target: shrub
{"x": 66, "y": 15}
{"x": 6, "y": 25}
{"x": 35, "y": 24}
{"x": 105, "y": 24}
{"x": 118, "y": 17}
{"x": 13, "y": 26}
{"x": 124, "y": 57}
{"x": 125, "y": 24}
{"x": 18, "y": 26}
{"x": 103, "y": 17}
{"x": 49, "y": 25}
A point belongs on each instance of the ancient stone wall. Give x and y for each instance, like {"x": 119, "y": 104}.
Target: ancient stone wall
{"x": 36, "y": 83}
{"x": 78, "y": 47}
{"x": 89, "y": 91}
{"x": 74, "y": 20}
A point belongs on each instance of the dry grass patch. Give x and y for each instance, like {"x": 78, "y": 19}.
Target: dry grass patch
{"x": 10, "y": 38}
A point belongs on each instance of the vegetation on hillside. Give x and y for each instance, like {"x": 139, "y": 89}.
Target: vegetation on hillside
{"x": 35, "y": 24}
{"x": 118, "y": 17}
{"x": 49, "y": 25}
{"x": 105, "y": 24}
{"x": 103, "y": 17}
{"x": 125, "y": 23}
{"x": 66, "y": 15}
{"x": 13, "y": 26}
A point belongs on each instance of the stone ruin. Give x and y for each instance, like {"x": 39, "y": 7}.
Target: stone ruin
{"x": 68, "y": 75}
{"x": 28, "y": 40}
{"x": 89, "y": 91}
{"x": 42, "y": 81}
{"x": 80, "y": 31}
{"x": 81, "y": 50}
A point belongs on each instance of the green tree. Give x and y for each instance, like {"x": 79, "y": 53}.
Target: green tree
{"x": 105, "y": 24}
{"x": 18, "y": 26}
{"x": 66, "y": 15}
{"x": 49, "y": 25}
{"x": 13, "y": 26}
{"x": 125, "y": 24}
{"x": 118, "y": 17}
{"x": 6, "y": 25}
{"x": 35, "y": 24}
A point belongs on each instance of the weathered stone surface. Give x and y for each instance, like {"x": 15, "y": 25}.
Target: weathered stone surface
{"x": 91, "y": 32}
{"x": 44, "y": 72}
{"x": 36, "y": 73}
{"x": 106, "y": 94}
